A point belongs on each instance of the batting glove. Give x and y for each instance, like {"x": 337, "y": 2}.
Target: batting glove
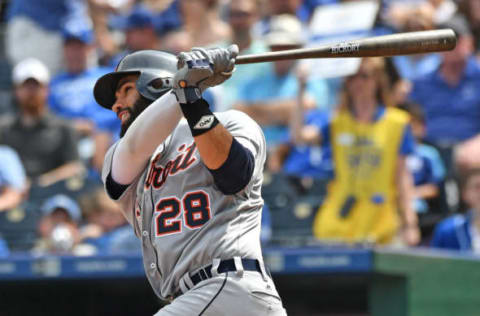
{"x": 194, "y": 68}
{"x": 202, "y": 68}
{"x": 223, "y": 60}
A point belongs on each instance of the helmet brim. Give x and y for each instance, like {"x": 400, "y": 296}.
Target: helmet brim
{"x": 106, "y": 86}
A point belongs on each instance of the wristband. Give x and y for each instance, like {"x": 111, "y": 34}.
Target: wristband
{"x": 199, "y": 117}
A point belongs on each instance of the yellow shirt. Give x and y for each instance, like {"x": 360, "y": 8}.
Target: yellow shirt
{"x": 361, "y": 203}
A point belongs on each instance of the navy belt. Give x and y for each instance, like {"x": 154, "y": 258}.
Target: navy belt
{"x": 224, "y": 266}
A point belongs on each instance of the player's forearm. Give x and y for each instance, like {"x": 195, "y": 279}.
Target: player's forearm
{"x": 214, "y": 146}
{"x": 149, "y": 129}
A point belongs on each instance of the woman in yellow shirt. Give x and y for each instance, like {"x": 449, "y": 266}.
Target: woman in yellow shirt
{"x": 369, "y": 198}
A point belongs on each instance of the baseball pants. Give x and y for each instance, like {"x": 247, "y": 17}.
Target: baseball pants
{"x": 229, "y": 293}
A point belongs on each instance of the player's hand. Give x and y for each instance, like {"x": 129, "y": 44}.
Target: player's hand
{"x": 194, "y": 68}
{"x": 223, "y": 61}
{"x": 202, "y": 68}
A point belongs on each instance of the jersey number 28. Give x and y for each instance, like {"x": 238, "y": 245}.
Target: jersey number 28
{"x": 195, "y": 207}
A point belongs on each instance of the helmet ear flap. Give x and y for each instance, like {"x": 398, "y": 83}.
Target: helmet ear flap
{"x": 159, "y": 85}
{"x": 151, "y": 86}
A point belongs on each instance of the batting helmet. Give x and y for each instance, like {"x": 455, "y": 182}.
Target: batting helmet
{"x": 155, "y": 69}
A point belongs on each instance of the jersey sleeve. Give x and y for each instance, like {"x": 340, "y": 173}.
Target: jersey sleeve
{"x": 407, "y": 145}
{"x": 247, "y": 132}
{"x": 127, "y": 198}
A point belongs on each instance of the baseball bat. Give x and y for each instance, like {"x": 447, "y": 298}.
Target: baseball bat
{"x": 386, "y": 45}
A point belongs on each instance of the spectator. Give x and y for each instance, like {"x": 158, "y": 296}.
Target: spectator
{"x": 413, "y": 66}
{"x": 462, "y": 231}
{"x": 107, "y": 229}
{"x": 450, "y": 97}
{"x": 140, "y": 33}
{"x": 71, "y": 98}
{"x": 13, "y": 189}
{"x": 13, "y": 184}
{"x": 399, "y": 11}
{"x": 424, "y": 163}
{"x": 471, "y": 9}
{"x": 34, "y": 29}
{"x": 242, "y": 15}
{"x": 270, "y": 97}
{"x": 302, "y": 163}
{"x": 46, "y": 145}
{"x": 176, "y": 41}
{"x": 201, "y": 18}
{"x": 370, "y": 194}
{"x": 58, "y": 228}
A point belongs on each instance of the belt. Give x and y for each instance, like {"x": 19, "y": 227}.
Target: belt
{"x": 227, "y": 265}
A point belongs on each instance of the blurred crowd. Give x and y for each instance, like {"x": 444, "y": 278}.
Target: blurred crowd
{"x": 386, "y": 155}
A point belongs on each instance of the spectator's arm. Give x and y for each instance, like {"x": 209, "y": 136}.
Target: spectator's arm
{"x": 68, "y": 160}
{"x": 408, "y": 217}
{"x": 63, "y": 172}
{"x": 268, "y": 113}
{"x": 10, "y": 198}
{"x": 300, "y": 133}
{"x": 426, "y": 191}
{"x": 277, "y": 157}
{"x": 15, "y": 183}
{"x": 99, "y": 11}
{"x": 102, "y": 140}
{"x": 467, "y": 154}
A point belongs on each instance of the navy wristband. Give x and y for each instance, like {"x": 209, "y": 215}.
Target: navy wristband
{"x": 199, "y": 117}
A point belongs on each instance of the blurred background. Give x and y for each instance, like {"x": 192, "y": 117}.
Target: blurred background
{"x": 372, "y": 180}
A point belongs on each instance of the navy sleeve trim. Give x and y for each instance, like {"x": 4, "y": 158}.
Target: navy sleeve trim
{"x": 236, "y": 172}
{"x": 114, "y": 189}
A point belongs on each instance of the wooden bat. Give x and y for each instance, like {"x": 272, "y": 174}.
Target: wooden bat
{"x": 386, "y": 45}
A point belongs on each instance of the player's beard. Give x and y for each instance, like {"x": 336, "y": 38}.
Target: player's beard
{"x": 140, "y": 105}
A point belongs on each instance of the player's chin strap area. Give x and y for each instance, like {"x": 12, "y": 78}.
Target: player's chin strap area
{"x": 237, "y": 264}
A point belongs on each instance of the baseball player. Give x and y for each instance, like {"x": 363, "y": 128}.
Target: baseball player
{"x": 189, "y": 186}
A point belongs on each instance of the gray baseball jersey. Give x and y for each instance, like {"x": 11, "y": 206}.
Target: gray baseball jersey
{"x": 182, "y": 218}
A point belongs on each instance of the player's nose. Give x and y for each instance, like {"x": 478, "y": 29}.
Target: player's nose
{"x": 117, "y": 106}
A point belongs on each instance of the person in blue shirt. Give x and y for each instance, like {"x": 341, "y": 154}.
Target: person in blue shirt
{"x": 13, "y": 186}
{"x": 71, "y": 98}
{"x": 270, "y": 97}
{"x": 106, "y": 228}
{"x": 34, "y": 29}
{"x": 303, "y": 160}
{"x": 450, "y": 95}
{"x": 424, "y": 163}
{"x": 13, "y": 182}
{"x": 140, "y": 34}
{"x": 462, "y": 231}
{"x": 412, "y": 66}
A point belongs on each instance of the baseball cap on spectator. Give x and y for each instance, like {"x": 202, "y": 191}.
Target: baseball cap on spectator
{"x": 139, "y": 17}
{"x": 459, "y": 24}
{"x": 284, "y": 30}
{"x": 64, "y": 202}
{"x": 84, "y": 35}
{"x": 30, "y": 68}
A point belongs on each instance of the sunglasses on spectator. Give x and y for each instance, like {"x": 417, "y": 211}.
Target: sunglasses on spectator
{"x": 362, "y": 75}
{"x": 239, "y": 14}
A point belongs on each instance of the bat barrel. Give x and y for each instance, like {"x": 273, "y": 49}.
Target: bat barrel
{"x": 386, "y": 45}
{"x": 408, "y": 43}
